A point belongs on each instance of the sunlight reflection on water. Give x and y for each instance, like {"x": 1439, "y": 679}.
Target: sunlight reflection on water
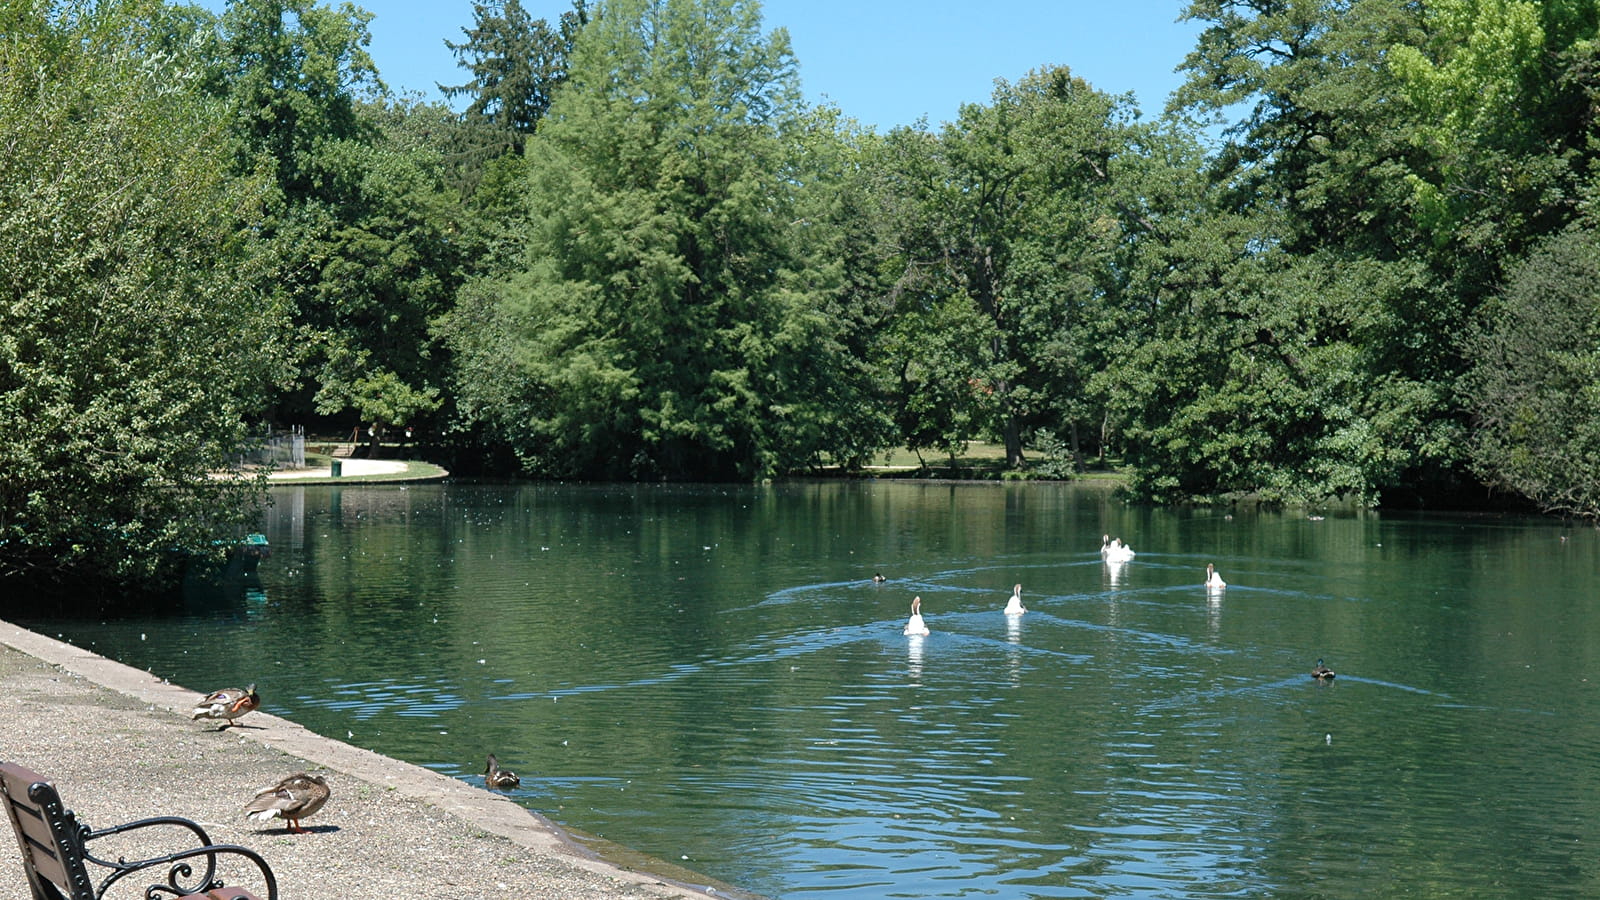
{"x": 711, "y": 674}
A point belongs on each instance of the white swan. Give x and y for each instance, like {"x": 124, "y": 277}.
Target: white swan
{"x": 1105, "y": 544}
{"x": 1117, "y": 551}
{"x": 1014, "y": 606}
{"x": 915, "y": 625}
{"x": 1214, "y": 581}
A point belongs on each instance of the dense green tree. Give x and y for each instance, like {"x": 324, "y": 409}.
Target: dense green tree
{"x": 366, "y": 238}
{"x": 1018, "y": 209}
{"x": 1286, "y": 346}
{"x": 669, "y": 318}
{"x": 933, "y": 342}
{"x": 1408, "y": 152}
{"x": 132, "y": 353}
{"x": 1258, "y": 385}
{"x": 517, "y": 63}
{"x": 836, "y": 212}
{"x": 1502, "y": 96}
{"x": 293, "y": 71}
{"x": 1534, "y": 388}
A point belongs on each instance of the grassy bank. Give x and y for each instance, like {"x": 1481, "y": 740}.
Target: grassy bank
{"x": 980, "y": 461}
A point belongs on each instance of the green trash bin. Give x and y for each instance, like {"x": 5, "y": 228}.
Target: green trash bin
{"x": 337, "y": 468}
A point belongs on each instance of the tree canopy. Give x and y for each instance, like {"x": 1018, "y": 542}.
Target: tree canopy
{"x": 1354, "y": 259}
{"x": 131, "y": 350}
{"x": 666, "y": 317}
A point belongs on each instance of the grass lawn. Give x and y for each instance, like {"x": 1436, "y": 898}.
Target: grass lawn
{"x": 407, "y": 470}
{"x": 981, "y": 460}
{"x": 979, "y": 454}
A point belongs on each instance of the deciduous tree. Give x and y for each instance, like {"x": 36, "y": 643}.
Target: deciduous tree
{"x": 668, "y": 318}
{"x": 132, "y": 353}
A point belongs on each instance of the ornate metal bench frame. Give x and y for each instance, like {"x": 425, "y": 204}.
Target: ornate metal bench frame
{"x": 55, "y": 849}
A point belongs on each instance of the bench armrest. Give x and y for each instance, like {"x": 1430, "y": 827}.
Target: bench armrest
{"x": 181, "y": 879}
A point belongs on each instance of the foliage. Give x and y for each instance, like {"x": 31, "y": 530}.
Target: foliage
{"x": 1261, "y": 388}
{"x": 1534, "y": 387}
{"x": 1008, "y": 225}
{"x": 636, "y": 254}
{"x": 367, "y": 241}
{"x": 667, "y": 320}
{"x": 517, "y": 63}
{"x": 131, "y": 351}
{"x": 1381, "y": 182}
{"x": 1054, "y": 458}
{"x": 292, "y": 70}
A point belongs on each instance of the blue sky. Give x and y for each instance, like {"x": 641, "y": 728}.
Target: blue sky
{"x": 884, "y": 62}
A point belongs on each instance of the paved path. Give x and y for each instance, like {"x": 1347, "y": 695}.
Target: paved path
{"x": 119, "y": 745}
{"x": 349, "y": 468}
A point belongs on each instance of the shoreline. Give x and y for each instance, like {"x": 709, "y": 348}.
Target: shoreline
{"x": 107, "y": 718}
{"x": 363, "y": 472}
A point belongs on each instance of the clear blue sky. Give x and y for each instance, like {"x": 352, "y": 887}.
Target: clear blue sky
{"x": 884, "y": 62}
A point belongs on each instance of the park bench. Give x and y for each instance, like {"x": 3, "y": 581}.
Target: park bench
{"x": 55, "y": 850}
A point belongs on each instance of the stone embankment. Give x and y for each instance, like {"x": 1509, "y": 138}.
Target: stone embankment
{"x": 119, "y": 745}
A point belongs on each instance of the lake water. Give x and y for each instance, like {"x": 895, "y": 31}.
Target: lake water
{"x": 709, "y": 675}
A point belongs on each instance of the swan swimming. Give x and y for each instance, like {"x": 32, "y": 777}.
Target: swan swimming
{"x": 1014, "y": 606}
{"x": 1214, "y": 581}
{"x": 915, "y": 625}
{"x": 1116, "y": 551}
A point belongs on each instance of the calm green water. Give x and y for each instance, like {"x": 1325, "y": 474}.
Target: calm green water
{"x": 710, "y": 676}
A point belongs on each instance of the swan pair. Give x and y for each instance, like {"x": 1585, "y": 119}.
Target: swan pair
{"x": 1113, "y": 550}
{"x": 916, "y": 626}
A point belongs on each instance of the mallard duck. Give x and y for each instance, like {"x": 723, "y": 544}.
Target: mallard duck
{"x": 915, "y": 625}
{"x": 1321, "y": 672}
{"x": 1014, "y": 606}
{"x": 1214, "y": 581}
{"x": 496, "y": 777}
{"x": 291, "y": 799}
{"x": 878, "y": 578}
{"x": 227, "y": 704}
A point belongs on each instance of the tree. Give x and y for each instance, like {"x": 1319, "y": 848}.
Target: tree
{"x": 292, "y": 71}
{"x": 367, "y": 237}
{"x": 1432, "y": 143}
{"x": 1256, "y": 383}
{"x": 1534, "y": 385}
{"x": 1013, "y": 210}
{"x": 668, "y": 318}
{"x": 132, "y": 353}
{"x": 517, "y": 63}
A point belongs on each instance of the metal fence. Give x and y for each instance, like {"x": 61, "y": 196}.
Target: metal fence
{"x": 280, "y": 449}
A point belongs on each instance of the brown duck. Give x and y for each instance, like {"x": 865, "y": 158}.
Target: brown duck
{"x": 496, "y": 777}
{"x": 227, "y": 704}
{"x": 291, "y": 799}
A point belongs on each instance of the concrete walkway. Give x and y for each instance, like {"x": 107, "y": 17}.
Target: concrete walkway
{"x": 350, "y": 468}
{"x": 119, "y": 745}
